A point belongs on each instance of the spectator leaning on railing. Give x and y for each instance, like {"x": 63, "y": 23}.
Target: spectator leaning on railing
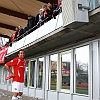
{"x": 14, "y": 36}
{"x": 30, "y": 22}
{"x": 51, "y": 8}
{"x": 45, "y": 14}
{"x": 20, "y": 32}
{"x": 39, "y": 18}
{"x": 58, "y": 9}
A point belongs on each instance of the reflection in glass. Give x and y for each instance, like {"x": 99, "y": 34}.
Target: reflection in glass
{"x": 26, "y": 75}
{"x": 66, "y": 60}
{"x": 32, "y": 70}
{"x": 97, "y": 3}
{"x": 53, "y": 60}
{"x": 94, "y": 4}
{"x": 10, "y": 81}
{"x": 40, "y": 72}
{"x": 0, "y": 74}
{"x": 82, "y": 62}
{"x": 4, "y": 74}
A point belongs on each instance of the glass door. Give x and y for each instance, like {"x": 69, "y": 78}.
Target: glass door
{"x": 81, "y": 69}
{"x": 31, "y": 74}
{"x": 65, "y": 71}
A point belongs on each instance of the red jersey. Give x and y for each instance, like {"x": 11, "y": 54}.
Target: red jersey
{"x": 18, "y": 65}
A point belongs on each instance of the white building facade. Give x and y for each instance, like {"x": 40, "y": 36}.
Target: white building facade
{"x": 63, "y": 55}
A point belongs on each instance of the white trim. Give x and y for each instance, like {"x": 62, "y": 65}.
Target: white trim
{"x": 90, "y": 71}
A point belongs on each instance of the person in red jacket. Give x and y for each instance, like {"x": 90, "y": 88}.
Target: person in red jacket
{"x": 15, "y": 35}
{"x": 18, "y": 64}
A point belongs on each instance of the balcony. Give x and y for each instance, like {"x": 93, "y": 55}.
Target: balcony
{"x": 53, "y": 36}
{"x": 38, "y": 35}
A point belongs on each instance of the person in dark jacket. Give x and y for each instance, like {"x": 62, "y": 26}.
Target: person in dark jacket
{"x": 30, "y": 23}
{"x": 50, "y": 10}
{"x": 20, "y": 33}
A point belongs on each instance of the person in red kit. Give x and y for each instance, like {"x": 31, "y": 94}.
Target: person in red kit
{"x": 18, "y": 64}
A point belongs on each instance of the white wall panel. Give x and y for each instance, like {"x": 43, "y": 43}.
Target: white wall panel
{"x": 77, "y": 97}
{"x": 25, "y": 91}
{"x": 20, "y": 43}
{"x": 64, "y": 96}
{"x": 11, "y": 48}
{"x": 31, "y": 92}
{"x": 68, "y": 12}
{"x": 9, "y": 88}
{"x": 72, "y": 15}
{"x": 95, "y": 70}
{"x": 39, "y": 93}
{"x": 59, "y": 21}
{"x": 52, "y": 95}
{"x": 31, "y": 37}
{"x": 4, "y": 86}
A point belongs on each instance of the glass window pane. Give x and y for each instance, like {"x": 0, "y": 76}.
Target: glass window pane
{"x": 0, "y": 74}
{"x": 4, "y": 74}
{"x": 32, "y": 70}
{"x": 8, "y": 74}
{"x": 97, "y": 3}
{"x": 82, "y": 64}
{"x": 26, "y": 75}
{"x": 94, "y": 4}
{"x": 66, "y": 60}
{"x": 53, "y": 60}
{"x": 40, "y": 72}
{"x": 10, "y": 81}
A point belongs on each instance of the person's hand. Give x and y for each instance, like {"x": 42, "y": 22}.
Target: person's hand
{"x": 12, "y": 74}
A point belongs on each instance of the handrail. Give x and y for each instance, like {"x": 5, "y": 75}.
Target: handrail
{"x": 29, "y": 31}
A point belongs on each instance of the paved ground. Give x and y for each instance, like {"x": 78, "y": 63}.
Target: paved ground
{"x": 6, "y": 95}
